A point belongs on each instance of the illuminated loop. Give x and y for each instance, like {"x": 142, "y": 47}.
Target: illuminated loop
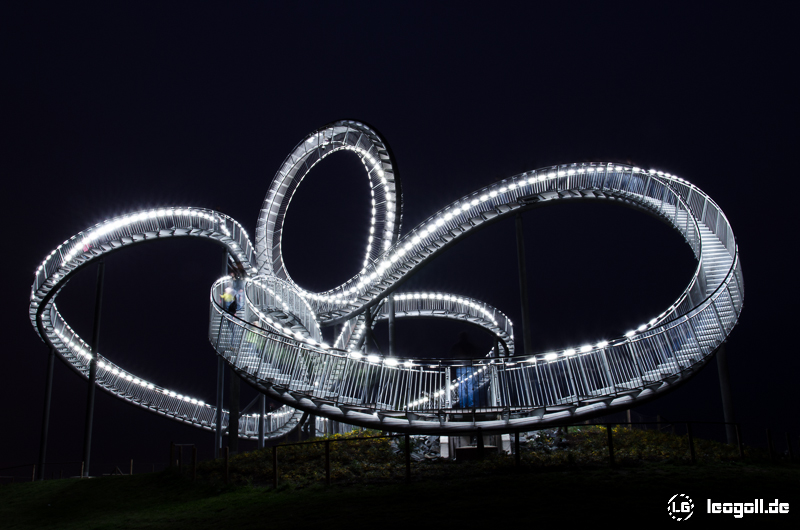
{"x": 498, "y": 394}
{"x": 112, "y": 235}
{"x": 275, "y": 341}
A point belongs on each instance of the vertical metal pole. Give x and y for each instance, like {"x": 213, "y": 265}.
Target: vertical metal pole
{"x": 523, "y": 288}
{"x": 367, "y": 330}
{"x": 220, "y": 393}
{"x": 262, "y": 412}
{"x": 727, "y": 400}
{"x": 220, "y": 377}
{"x": 392, "y": 336}
{"x": 233, "y": 413}
{"x": 48, "y": 392}
{"x": 98, "y": 307}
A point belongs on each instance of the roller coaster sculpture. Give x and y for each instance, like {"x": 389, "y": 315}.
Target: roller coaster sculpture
{"x": 275, "y": 343}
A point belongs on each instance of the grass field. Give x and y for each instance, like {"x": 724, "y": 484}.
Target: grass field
{"x": 369, "y": 490}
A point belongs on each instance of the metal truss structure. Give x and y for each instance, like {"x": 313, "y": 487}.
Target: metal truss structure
{"x": 275, "y": 340}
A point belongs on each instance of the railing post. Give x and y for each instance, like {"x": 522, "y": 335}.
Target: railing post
{"x": 327, "y": 462}
{"x": 274, "y": 466}
{"x": 610, "y": 435}
{"x": 408, "y": 457}
{"x": 33, "y": 473}
{"x": 131, "y": 473}
{"x": 691, "y": 443}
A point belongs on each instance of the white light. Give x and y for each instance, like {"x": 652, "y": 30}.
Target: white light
{"x": 373, "y": 358}
{"x": 630, "y": 333}
{"x": 391, "y": 361}
{"x": 586, "y": 348}
{"x": 550, "y": 356}
{"x": 569, "y": 352}
{"x": 601, "y": 344}
{"x": 642, "y": 327}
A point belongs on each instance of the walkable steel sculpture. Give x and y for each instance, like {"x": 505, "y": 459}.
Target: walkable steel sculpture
{"x": 275, "y": 342}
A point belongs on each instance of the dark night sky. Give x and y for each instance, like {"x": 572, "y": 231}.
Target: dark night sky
{"x": 123, "y": 106}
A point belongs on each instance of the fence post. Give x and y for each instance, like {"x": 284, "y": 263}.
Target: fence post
{"x": 82, "y": 469}
{"x": 274, "y": 466}
{"x": 516, "y": 448}
{"x": 327, "y": 462}
{"x": 171, "y": 454}
{"x": 194, "y": 463}
{"x": 131, "y": 466}
{"x": 33, "y": 473}
{"x": 691, "y": 443}
{"x": 408, "y": 457}
{"x": 610, "y": 444}
{"x": 739, "y": 442}
{"x": 227, "y": 460}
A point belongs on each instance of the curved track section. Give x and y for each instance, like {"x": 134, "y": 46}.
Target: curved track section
{"x": 139, "y": 227}
{"x": 497, "y": 394}
{"x": 275, "y": 340}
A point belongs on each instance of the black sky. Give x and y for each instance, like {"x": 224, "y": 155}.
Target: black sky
{"x": 116, "y": 107}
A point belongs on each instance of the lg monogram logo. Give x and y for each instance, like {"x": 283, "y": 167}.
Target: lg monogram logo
{"x": 680, "y": 507}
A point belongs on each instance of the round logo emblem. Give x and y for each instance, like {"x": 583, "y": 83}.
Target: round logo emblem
{"x": 680, "y": 507}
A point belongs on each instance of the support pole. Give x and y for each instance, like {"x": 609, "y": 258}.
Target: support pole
{"x": 233, "y": 413}
{"x": 392, "y": 336}
{"x": 523, "y": 288}
{"x": 48, "y": 392}
{"x": 262, "y": 414}
{"x": 367, "y": 330}
{"x": 220, "y": 379}
{"x": 727, "y": 400}
{"x": 98, "y": 307}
